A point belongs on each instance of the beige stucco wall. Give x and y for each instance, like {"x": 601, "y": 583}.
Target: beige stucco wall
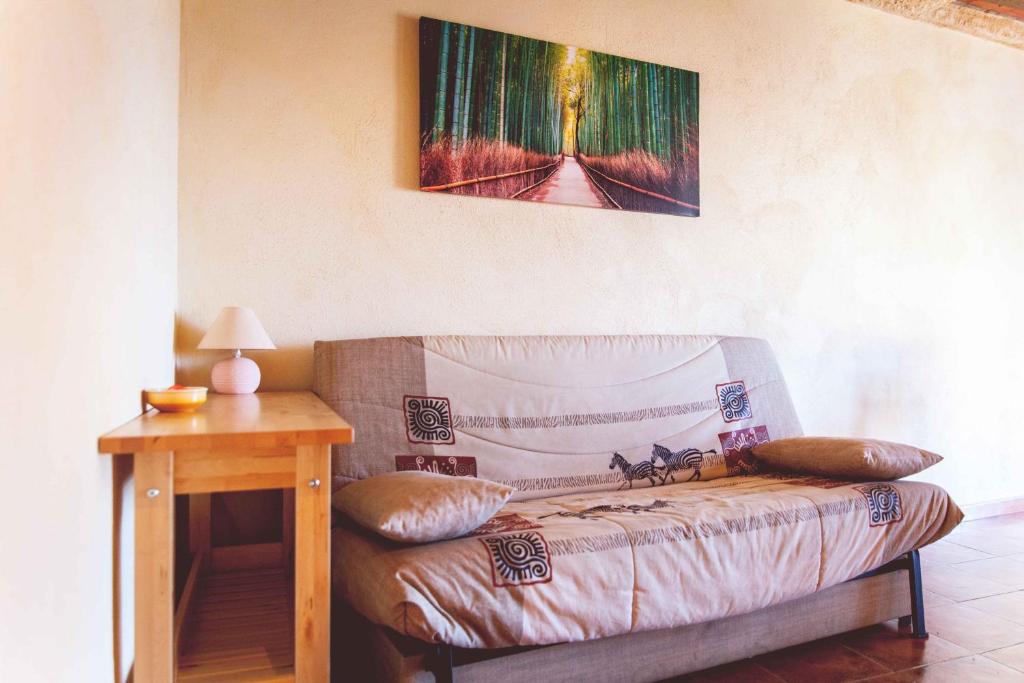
{"x": 861, "y": 182}
{"x": 88, "y": 222}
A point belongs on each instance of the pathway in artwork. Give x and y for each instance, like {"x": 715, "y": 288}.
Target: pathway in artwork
{"x": 568, "y": 185}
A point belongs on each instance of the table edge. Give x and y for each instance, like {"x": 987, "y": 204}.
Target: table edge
{"x": 142, "y": 444}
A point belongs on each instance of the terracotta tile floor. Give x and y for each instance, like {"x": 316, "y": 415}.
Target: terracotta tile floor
{"x": 974, "y": 610}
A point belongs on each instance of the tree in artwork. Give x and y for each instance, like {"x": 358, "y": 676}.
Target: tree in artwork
{"x": 507, "y": 116}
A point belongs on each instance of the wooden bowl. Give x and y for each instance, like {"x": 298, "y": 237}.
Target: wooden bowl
{"x": 183, "y": 400}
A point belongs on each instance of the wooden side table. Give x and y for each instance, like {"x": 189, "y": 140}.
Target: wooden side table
{"x": 238, "y": 623}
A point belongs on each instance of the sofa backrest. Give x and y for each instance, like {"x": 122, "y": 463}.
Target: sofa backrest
{"x": 551, "y": 415}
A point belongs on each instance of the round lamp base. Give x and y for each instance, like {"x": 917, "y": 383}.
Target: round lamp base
{"x": 237, "y": 375}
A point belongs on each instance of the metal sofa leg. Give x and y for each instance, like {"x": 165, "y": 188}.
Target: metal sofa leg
{"x": 918, "y": 629}
{"x": 443, "y": 665}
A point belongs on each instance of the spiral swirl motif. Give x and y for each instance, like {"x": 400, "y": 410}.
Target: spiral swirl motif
{"x": 518, "y": 558}
{"x": 462, "y": 467}
{"x": 732, "y": 398}
{"x": 452, "y": 465}
{"x": 428, "y": 419}
{"x": 884, "y": 503}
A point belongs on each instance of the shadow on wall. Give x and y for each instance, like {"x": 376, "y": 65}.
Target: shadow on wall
{"x": 407, "y": 124}
{"x": 286, "y": 368}
{"x": 890, "y": 378}
{"x": 123, "y": 564}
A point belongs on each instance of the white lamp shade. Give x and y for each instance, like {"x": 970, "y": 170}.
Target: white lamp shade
{"x": 236, "y": 327}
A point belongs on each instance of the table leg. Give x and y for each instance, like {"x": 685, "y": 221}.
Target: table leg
{"x": 154, "y": 567}
{"x": 312, "y": 564}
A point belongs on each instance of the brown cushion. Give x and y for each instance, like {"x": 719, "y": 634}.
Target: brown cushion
{"x": 845, "y": 458}
{"x": 420, "y": 507}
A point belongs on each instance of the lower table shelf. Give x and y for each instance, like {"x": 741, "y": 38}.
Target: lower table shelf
{"x": 239, "y": 626}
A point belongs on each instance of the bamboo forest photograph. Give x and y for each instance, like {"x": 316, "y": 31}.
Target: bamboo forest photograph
{"x": 506, "y": 116}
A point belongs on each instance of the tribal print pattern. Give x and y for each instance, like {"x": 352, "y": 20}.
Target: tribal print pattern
{"x": 452, "y": 465}
{"x": 597, "y": 510}
{"x": 794, "y": 479}
{"x": 503, "y": 523}
{"x": 518, "y": 559}
{"x": 687, "y": 531}
{"x": 733, "y": 401}
{"x": 884, "y": 503}
{"x": 737, "y": 446}
{"x": 428, "y": 419}
{"x": 569, "y": 481}
{"x": 821, "y": 482}
{"x": 581, "y": 419}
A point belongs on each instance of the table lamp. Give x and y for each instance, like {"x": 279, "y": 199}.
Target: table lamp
{"x": 236, "y": 327}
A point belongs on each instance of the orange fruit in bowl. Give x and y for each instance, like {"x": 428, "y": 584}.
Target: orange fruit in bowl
{"x": 176, "y": 398}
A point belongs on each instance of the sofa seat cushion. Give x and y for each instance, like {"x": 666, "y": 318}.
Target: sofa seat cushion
{"x": 599, "y": 564}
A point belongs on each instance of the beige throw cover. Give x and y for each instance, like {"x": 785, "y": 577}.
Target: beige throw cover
{"x": 554, "y": 415}
{"x": 627, "y": 514}
{"x": 601, "y": 564}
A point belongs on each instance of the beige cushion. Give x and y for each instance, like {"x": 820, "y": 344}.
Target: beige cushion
{"x": 846, "y": 458}
{"x": 420, "y": 507}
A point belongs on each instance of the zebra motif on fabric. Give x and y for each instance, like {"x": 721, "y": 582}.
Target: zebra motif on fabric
{"x": 686, "y": 459}
{"x": 644, "y": 469}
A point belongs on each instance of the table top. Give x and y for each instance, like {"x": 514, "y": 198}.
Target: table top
{"x": 265, "y": 419}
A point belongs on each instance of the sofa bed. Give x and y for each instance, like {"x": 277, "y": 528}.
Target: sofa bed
{"x": 643, "y": 539}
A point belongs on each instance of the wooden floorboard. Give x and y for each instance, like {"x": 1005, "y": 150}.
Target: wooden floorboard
{"x": 240, "y": 628}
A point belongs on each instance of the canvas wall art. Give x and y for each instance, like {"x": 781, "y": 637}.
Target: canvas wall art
{"x": 506, "y": 116}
